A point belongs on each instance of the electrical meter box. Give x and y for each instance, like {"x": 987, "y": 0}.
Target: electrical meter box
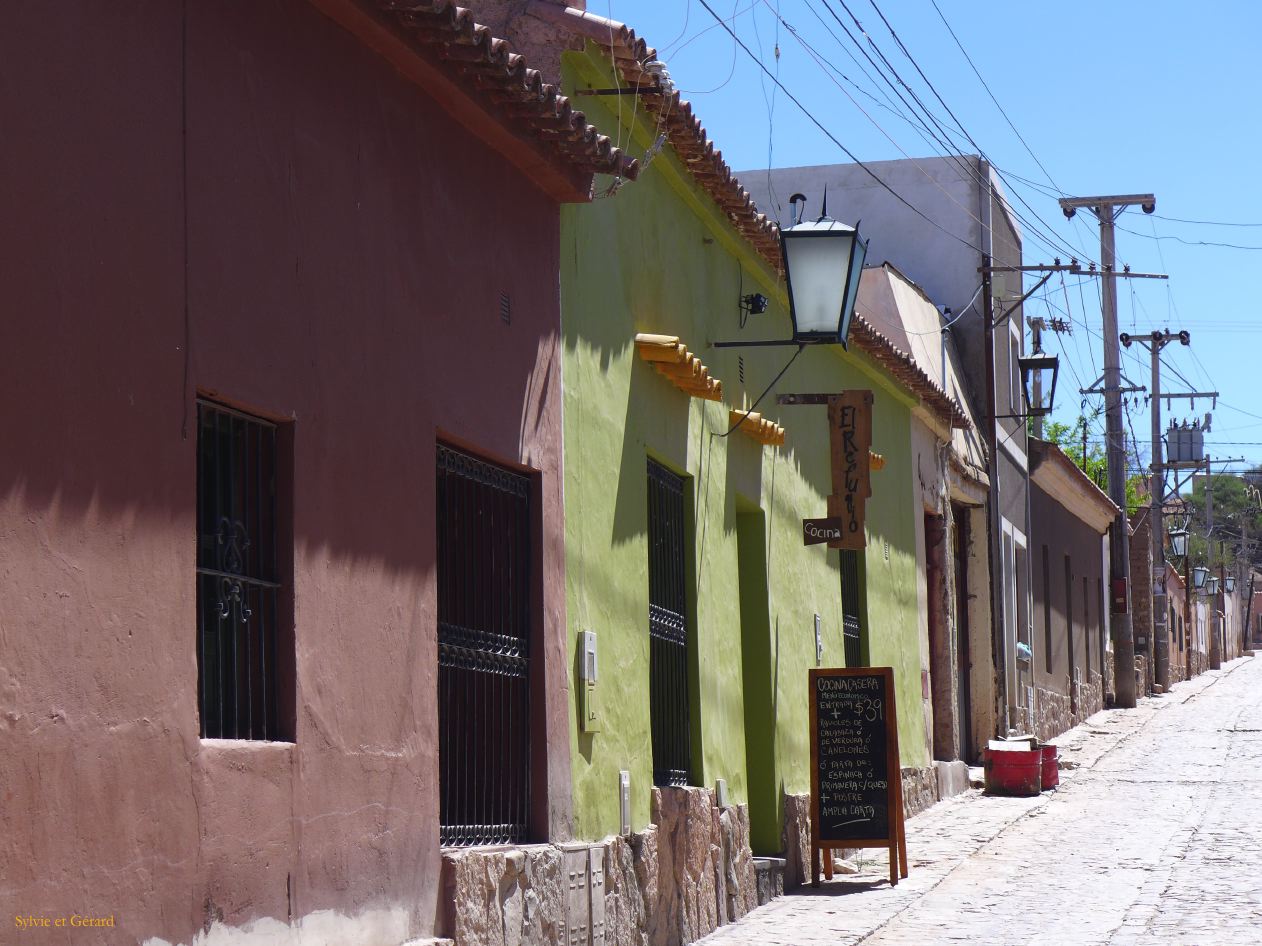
{"x": 589, "y": 716}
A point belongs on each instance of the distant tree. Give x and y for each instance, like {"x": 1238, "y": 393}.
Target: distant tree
{"x": 1096, "y": 465}
{"x": 1237, "y": 517}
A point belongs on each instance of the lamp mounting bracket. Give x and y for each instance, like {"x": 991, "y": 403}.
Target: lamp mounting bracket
{"x": 763, "y": 343}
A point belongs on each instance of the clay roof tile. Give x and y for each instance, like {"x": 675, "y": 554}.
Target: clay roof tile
{"x": 502, "y": 80}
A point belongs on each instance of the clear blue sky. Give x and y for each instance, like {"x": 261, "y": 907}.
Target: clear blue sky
{"x": 1110, "y": 97}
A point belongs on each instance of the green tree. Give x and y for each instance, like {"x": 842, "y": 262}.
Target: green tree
{"x": 1096, "y": 463}
{"x": 1237, "y": 517}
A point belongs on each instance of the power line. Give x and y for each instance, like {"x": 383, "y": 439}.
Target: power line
{"x": 705, "y": 29}
{"x": 941, "y": 139}
{"x": 1177, "y": 373}
{"x": 925, "y": 133}
{"x": 1067, "y": 248}
{"x": 833, "y": 138}
{"x": 1047, "y": 237}
{"x": 1185, "y": 242}
{"x": 731, "y": 71}
{"x": 1239, "y": 410}
{"x": 827, "y": 67}
{"x": 1207, "y": 223}
{"x": 969, "y": 59}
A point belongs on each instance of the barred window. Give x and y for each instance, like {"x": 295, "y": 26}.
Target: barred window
{"x": 238, "y": 579}
{"x": 668, "y": 628}
{"x": 485, "y": 578}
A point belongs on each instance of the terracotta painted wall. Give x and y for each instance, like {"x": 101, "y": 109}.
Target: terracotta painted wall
{"x": 347, "y": 246}
{"x": 659, "y": 258}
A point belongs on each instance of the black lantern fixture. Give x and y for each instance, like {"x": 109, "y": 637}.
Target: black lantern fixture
{"x": 823, "y": 263}
{"x": 1038, "y": 379}
{"x": 1200, "y": 574}
{"x": 1179, "y": 542}
{"x": 1211, "y": 585}
{"x": 1229, "y": 584}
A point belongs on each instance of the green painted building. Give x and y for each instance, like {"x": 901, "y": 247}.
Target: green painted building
{"x": 661, "y": 256}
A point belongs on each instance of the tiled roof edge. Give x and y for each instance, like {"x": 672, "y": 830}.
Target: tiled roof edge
{"x": 683, "y": 130}
{"x": 904, "y": 368}
{"x": 688, "y": 139}
{"x": 500, "y": 79}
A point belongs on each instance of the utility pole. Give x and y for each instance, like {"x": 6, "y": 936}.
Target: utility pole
{"x": 1215, "y": 655}
{"x": 1189, "y": 626}
{"x": 1107, "y": 210}
{"x": 1220, "y": 614}
{"x": 1248, "y": 611}
{"x": 1156, "y": 496}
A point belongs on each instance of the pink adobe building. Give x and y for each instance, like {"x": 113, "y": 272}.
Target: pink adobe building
{"x": 281, "y": 498}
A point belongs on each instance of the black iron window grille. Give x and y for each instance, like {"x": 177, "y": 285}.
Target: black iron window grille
{"x": 668, "y": 628}
{"x": 484, "y": 622}
{"x": 237, "y": 576}
{"x": 851, "y": 626}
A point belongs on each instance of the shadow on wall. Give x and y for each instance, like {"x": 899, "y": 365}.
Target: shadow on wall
{"x": 123, "y": 458}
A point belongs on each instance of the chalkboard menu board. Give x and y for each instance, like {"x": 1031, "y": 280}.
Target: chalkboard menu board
{"x": 856, "y": 788}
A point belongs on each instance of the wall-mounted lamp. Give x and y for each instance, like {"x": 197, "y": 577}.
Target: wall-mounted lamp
{"x": 753, "y": 303}
{"x": 1211, "y": 585}
{"x": 1200, "y": 574}
{"x": 1179, "y": 542}
{"x": 823, "y": 262}
{"x": 1229, "y": 584}
{"x": 1038, "y": 384}
{"x": 1039, "y": 369}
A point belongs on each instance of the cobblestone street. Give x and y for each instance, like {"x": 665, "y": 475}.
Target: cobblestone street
{"x": 1153, "y": 838}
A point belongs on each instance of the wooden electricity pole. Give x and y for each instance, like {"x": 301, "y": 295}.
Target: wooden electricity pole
{"x": 1107, "y": 210}
{"x": 1160, "y": 651}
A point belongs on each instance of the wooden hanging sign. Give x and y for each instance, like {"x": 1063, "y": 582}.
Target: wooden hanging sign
{"x": 815, "y": 531}
{"x": 850, "y": 445}
{"x": 856, "y": 781}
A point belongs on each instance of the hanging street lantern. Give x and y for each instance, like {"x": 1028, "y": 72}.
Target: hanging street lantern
{"x": 1211, "y": 585}
{"x": 1200, "y": 574}
{"x": 1179, "y": 542}
{"x": 823, "y": 262}
{"x": 1038, "y": 378}
{"x": 1229, "y": 584}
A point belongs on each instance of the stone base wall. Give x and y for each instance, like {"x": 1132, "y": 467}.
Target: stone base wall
{"x": 681, "y": 878}
{"x": 920, "y": 790}
{"x": 1057, "y": 713}
{"x": 1198, "y": 663}
{"x": 1090, "y": 697}
{"x": 1177, "y": 671}
{"x": 795, "y": 840}
{"x": 1143, "y": 677}
{"x": 1053, "y": 714}
{"x": 768, "y": 878}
